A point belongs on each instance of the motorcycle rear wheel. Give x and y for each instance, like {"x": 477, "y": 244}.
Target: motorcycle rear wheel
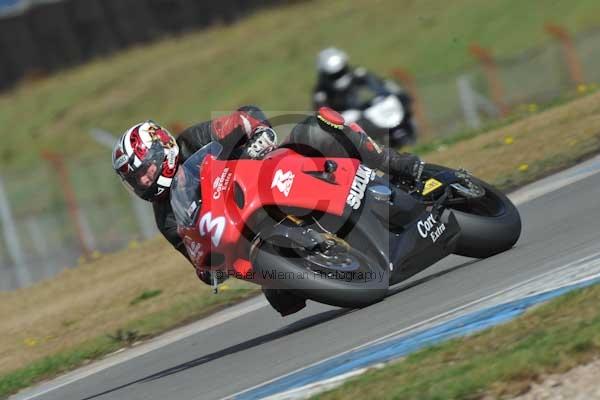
{"x": 489, "y": 225}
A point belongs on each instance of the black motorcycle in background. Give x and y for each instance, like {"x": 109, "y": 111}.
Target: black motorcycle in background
{"x": 383, "y": 110}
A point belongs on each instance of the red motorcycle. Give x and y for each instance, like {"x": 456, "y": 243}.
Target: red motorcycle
{"x": 331, "y": 229}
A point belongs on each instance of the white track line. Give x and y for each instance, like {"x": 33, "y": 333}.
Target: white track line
{"x": 437, "y": 318}
{"x": 314, "y": 388}
{"x": 556, "y": 181}
{"x": 321, "y": 386}
{"x": 160, "y": 341}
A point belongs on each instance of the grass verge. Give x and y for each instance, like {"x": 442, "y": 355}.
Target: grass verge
{"x": 528, "y": 149}
{"x": 439, "y": 144}
{"x": 97, "y": 308}
{"x": 501, "y": 361}
{"x": 194, "y": 308}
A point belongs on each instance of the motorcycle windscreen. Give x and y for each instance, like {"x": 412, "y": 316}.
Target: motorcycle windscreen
{"x": 387, "y": 113}
{"x": 186, "y": 198}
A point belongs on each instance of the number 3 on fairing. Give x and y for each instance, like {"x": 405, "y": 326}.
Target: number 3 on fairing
{"x": 214, "y": 226}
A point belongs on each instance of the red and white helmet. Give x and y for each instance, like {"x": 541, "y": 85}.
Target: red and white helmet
{"x": 146, "y": 158}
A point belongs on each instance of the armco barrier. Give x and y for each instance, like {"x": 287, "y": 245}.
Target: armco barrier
{"x": 89, "y": 21}
{"x": 18, "y": 50}
{"x": 54, "y": 36}
{"x": 46, "y": 35}
{"x": 177, "y": 16}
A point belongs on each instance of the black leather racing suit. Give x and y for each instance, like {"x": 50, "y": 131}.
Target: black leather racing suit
{"x": 315, "y": 138}
{"x": 311, "y": 137}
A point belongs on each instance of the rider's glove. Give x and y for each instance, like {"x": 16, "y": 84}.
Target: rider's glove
{"x": 403, "y": 165}
{"x": 262, "y": 142}
{"x": 204, "y": 275}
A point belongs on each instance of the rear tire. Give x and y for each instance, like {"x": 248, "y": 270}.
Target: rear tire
{"x": 489, "y": 225}
{"x": 485, "y": 236}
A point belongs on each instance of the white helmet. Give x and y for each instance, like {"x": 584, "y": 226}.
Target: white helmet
{"x": 146, "y": 158}
{"x": 332, "y": 61}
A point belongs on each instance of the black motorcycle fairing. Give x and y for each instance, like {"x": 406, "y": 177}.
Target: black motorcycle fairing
{"x": 415, "y": 251}
{"x": 403, "y": 232}
{"x": 399, "y": 236}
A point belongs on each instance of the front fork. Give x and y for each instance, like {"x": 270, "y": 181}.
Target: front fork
{"x": 215, "y": 283}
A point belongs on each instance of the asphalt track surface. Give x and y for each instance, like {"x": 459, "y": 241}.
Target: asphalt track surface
{"x": 226, "y": 358}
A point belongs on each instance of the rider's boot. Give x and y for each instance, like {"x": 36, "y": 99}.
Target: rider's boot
{"x": 285, "y": 302}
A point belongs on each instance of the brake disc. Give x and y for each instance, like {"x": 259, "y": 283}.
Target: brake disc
{"x": 471, "y": 191}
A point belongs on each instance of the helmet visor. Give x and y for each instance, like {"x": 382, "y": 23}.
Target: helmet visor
{"x": 145, "y": 172}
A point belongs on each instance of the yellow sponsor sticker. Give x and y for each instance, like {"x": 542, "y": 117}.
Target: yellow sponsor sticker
{"x": 431, "y": 185}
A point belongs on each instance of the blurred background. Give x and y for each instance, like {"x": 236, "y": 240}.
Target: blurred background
{"x": 73, "y": 73}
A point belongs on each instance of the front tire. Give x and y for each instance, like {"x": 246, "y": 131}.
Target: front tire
{"x": 271, "y": 260}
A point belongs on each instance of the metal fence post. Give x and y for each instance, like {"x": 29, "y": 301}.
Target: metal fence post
{"x": 468, "y": 102}
{"x": 22, "y": 273}
{"x": 41, "y": 247}
{"x": 472, "y": 102}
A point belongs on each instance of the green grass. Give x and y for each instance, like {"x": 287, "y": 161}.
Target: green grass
{"x": 502, "y": 361}
{"x": 519, "y": 114}
{"x": 267, "y": 59}
{"x": 186, "y": 311}
{"x": 145, "y": 295}
{"x": 541, "y": 168}
{"x": 53, "y": 365}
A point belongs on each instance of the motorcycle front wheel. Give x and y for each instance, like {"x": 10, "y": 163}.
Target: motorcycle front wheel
{"x": 343, "y": 278}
